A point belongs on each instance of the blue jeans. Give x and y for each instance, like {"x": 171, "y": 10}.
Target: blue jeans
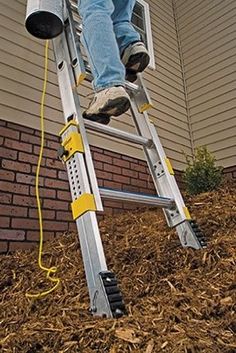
{"x": 107, "y": 31}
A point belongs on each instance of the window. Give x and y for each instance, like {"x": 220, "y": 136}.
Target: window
{"x": 142, "y": 23}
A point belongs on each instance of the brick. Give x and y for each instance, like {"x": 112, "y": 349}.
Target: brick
{"x": 113, "y": 204}
{"x": 46, "y": 152}
{"x": 46, "y": 214}
{"x": 13, "y": 211}
{"x": 129, "y": 172}
{"x": 138, "y": 168}
{"x": 96, "y": 149}
{"x": 130, "y": 159}
{"x": 102, "y": 158}
{"x": 56, "y": 205}
{"x": 57, "y": 184}
{"x": 44, "y": 193}
{"x": 234, "y": 174}
{"x": 144, "y": 163}
{"x": 103, "y": 175}
{"x": 64, "y": 216}
{"x": 72, "y": 227}
{"x": 4, "y": 222}
{"x": 27, "y": 179}
{"x": 54, "y": 164}
{"x": 24, "y": 223}
{"x": 1, "y": 140}
{"x": 47, "y": 136}
{"x": 30, "y": 139}
{"x": 29, "y": 158}
{"x": 6, "y": 175}
{"x": 3, "y": 246}
{"x": 46, "y": 172}
{"x": 148, "y": 191}
{"x": 21, "y": 245}
{"x": 64, "y": 195}
{"x": 100, "y": 182}
{"x": 139, "y": 183}
{"x": 121, "y": 163}
{"x": 112, "y": 168}
{"x": 24, "y": 200}
{"x": 112, "y": 185}
{"x": 34, "y": 235}
{"x": 130, "y": 188}
{"x": 63, "y": 176}
{"x": 143, "y": 176}
{"x": 112, "y": 154}
{"x": 14, "y": 188}
{"x": 5, "y": 198}
{"x": 9, "y": 133}
{"x": 6, "y": 153}
{"x": 56, "y": 226}
{"x": 3, "y": 123}
{"x": 17, "y": 166}
{"x": 121, "y": 179}
{"x": 11, "y": 234}
{"x": 19, "y": 146}
{"x": 53, "y": 145}
{"x": 19, "y": 127}
{"x": 98, "y": 165}
{"x": 108, "y": 210}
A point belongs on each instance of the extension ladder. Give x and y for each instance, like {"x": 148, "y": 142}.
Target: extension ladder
{"x": 105, "y": 296}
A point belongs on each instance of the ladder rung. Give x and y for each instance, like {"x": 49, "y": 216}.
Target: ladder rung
{"x": 162, "y": 202}
{"x": 111, "y": 131}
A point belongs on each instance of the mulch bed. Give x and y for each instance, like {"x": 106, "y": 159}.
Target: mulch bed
{"x": 178, "y": 300}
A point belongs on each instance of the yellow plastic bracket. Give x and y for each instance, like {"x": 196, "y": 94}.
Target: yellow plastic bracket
{"x": 145, "y": 107}
{"x": 83, "y": 204}
{"x": 186, "y": 212}
{"x": 80, "y": 78}
{"x": 169, "y": 166}
{"x": 73, "y": 143}
{"x": 71, "y": 123}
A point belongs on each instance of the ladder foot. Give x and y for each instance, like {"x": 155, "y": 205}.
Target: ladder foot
{"x": 190, "y": 235}
{"x": 198, "y": 233}
{"x": 113, "y": 293}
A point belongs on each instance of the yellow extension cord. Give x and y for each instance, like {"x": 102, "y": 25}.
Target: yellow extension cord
{"x": 51, "y": 270}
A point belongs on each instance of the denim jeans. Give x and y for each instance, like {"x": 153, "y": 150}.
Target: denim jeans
{"x": 107, "y": 31}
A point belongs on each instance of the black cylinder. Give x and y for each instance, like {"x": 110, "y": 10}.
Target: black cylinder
{"x": 44, "y": 18}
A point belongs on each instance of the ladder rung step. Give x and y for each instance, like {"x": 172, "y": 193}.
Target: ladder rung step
{"x": 163, "y": 202}
{"x": 111, "y": 131}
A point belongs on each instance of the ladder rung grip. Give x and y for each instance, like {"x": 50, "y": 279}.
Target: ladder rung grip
{"x": 111, "y": 131}
{"x": 162, "y": 202}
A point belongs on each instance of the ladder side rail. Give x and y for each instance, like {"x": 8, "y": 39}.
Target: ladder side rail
{"x": 71, "y": 106}
{"x": 156, "y": 165}
{"x": 89, "y": 235}
{"x": 165, "y": 183}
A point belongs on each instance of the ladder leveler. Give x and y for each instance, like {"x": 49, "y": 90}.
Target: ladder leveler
{"x": 105, "y": 296}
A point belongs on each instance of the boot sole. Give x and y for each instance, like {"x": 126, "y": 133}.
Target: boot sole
{"x": 116, "y": 107}
{"x": 142, "y": 59}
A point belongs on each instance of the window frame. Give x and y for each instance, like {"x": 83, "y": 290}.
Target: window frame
{"x": 148, "y": 28}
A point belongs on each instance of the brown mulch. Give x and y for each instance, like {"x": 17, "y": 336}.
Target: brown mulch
{"x": 178, "y": 300}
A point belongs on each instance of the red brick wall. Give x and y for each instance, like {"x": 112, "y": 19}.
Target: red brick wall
{"x": 19, "y": 148}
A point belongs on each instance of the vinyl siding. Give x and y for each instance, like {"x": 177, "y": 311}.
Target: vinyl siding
{"x": 21, "y": 72}
{"x": 207, "y": 32}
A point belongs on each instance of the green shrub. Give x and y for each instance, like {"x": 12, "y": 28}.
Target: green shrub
{"x": 201, "y": 174}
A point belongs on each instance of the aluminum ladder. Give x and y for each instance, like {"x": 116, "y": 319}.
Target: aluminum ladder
{"x": 105, "y": 296}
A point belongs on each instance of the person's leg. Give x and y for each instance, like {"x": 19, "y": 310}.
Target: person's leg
{"x": 133, "y": 52}
{"x": 100, "y": 43}
{"x": 123, "y": 28}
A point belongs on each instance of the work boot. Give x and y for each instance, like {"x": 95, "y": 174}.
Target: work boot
{"x": 135, "y": 58}
{"x": 112, "y": 101}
